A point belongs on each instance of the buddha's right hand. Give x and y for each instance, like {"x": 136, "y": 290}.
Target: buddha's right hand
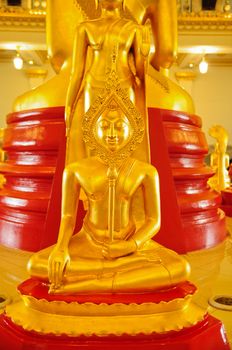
{"x": 57, "y": 262}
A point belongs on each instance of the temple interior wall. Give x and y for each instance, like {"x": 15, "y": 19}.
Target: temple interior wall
{"x": 211, "y": 93}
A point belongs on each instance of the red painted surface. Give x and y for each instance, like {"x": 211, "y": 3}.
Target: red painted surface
{"x": 226, "y": 205}
{"x": 30, "y": 201}
{"x": 191, "y": 218}
{"x": 39, "y": 290}
{"x": 208, "y": 334}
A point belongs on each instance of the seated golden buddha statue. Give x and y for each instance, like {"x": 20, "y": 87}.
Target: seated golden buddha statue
{"x": 112, "y": 252}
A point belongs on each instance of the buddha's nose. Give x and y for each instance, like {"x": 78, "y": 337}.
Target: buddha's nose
{"x": 112, "y": 131}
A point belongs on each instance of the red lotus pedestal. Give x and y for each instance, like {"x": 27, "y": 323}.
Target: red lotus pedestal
{"x": 206, "y": 333}
{"x": 30, "y": 200}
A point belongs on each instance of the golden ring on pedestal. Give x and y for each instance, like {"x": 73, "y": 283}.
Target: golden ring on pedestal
{"x": 103, "y": 319}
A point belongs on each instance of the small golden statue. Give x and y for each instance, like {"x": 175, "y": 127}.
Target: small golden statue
{"x": 219, "y": 159}
{"x": 110, "y": 254}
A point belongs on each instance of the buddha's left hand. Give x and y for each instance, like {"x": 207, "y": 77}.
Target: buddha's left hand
{"x": 119, "y": 248}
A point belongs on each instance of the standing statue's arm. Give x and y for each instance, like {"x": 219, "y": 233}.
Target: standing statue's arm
{"x": 141, "y": 46}
{"x": 152, "y": 208}
{"x": 163, "y": 18}
{"x": 77, "y": 72}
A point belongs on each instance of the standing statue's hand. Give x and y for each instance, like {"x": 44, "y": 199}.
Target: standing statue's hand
{"x": 119, "y": 248}
{"x": 57, "y": 262}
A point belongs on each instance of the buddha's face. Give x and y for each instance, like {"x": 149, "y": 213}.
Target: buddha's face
{"x": 113, "y": 130}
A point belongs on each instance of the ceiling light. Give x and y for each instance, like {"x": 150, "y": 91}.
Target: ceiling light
{"x": 18, "y": 62}
{"x": 203, "y": 66}
{"x": 191, "y": 65}
{"x": 31, "y": 62}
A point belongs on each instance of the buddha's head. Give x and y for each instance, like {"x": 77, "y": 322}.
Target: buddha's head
{"x": 110, "y": 4}
{"x": 113, "y": 130}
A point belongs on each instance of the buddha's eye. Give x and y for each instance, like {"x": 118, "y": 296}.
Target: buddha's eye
{"x": 120, "y": 125}
{"x": 104, "y": 124}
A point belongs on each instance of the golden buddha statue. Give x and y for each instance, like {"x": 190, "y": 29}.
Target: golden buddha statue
{"x": 111, "y": 253}
{"x": 162, "y": 16}
{"x": 119, "y": 41}
{"x": 219, "y": 159}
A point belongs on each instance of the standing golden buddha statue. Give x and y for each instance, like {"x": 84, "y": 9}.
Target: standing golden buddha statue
{"x": 162, "y": 16}
{"x": 117, "y": 41}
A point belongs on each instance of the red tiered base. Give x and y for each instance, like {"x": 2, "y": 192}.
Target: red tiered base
{"x": 30, "y": 201}
{"x": 209, "y": 335}
{"x": 191, "y": 218}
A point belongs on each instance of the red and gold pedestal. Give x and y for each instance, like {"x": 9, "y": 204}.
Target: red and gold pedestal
{"x": 164, "y": 319}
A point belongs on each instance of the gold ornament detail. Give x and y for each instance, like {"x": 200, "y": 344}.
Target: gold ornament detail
{"x": 113, "y": 97}
{"x": 130, "y": 324}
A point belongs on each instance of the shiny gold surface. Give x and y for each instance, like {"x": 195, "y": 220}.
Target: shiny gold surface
{"x": 92, "y": 48}
{"x": 229, "y": 224}
{"x": 219, "y": 159}
{"x": 118, "y": 44}
{"x": 132, "y": 323}
{"x": 204, "y": 22}
{"x": 103, "y": 309}
{"x": 106, "y": 123}
{"x": 162, "y": 92}
{"x": 108, "y": 256}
